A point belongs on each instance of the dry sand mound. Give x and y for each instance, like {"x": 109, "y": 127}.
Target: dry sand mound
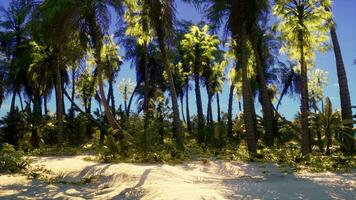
{"x": 79, "y": 179}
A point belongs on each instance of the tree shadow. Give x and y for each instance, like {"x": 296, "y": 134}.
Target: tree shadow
{"x": 135, "y": 192}
{"x": 70, "y": 185}
{"x": 278, "y": 185}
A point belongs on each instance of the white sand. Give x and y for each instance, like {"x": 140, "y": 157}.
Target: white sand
{"x": 195, "y": 180}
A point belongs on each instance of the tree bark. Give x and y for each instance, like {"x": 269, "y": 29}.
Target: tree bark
{"x": 13, "y": 100}
{"x": 229, "y": 112}
{"x": 45, "y": 104}
{"x": 304, "y": 99}
{"x": 182, "y": 108}
{"x": 21, "y": 103}
{"x": 189, "y": 124}
{"x": 266, "y": 101}
{"x": 201, "y": 136}
{"x": 127, "y": 110}
{"x": 177, "y": 127}
{"x": 346, "y": 109}
{"x": 248, "y": 104}
{"x": 59, "y": 105}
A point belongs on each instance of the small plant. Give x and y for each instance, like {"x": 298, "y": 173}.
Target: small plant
{"x": 12, "y": 160}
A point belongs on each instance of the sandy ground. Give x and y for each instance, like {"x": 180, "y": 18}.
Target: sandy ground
{"x": 195, "y": 180}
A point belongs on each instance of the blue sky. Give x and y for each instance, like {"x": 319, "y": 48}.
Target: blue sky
{"x": 345, "y": 17}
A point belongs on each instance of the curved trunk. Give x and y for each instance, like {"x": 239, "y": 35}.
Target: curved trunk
{"x": 346, "y": 109}
{"x": 201, "y": 136}
{"x": 182, "y": 108}
{"x": 266, "y": 101}
{"x": 248, "y": 104}
{"x": 304, "y": 109}
{"x": 189, "y": 124}
{"x": 96, "y": 37}
{"x": 130, "y": 101}
{"x": 229, "y": 112}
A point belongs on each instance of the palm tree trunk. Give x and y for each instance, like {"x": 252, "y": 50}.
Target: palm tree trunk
{"x": 304, "y": 99}
{"x": 146, "y": 97}
{"x": 21, "y": 103}
{"x": 111, "y": 96}
{"x": 59, "y": 106}
{"x": 266, "y": 101}
{"x": 218, "y": 107}
{"x": 219, "y": 120}
{"x": 189, "y": 124}
{"x": 127, "y": 110}
{"x": 182, "y": 108}
{"x": 13, "y": 100}
{"x": 177, "y": 127}
{"x": 96, "y": 37}
{"x": 346, "y": 109}
{"x": 45, "y": 104}
{"x": 201, "y": 136}
{"x": 248, "y": 104}
{"x": 229, "y": 112}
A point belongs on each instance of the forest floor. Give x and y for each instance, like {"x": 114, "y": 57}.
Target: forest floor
{"x": 74, "y": 177}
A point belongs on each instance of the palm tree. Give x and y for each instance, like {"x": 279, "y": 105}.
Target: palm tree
{"x": 63, "y": 41}
{"x": 161, "y": 16}
{"x": 345, "y": 100}
{"x": 91, "y": 18}
{"x": 303, "y": 27}
{"x": 15, "y": 32}
{"x": 198, "y": 49}
{"x": 261, "y": 54}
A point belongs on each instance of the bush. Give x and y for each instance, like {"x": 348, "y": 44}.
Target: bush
{"x": 12, "y": 160}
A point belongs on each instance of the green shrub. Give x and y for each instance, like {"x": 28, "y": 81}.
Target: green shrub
{"x": 12, "y": 160}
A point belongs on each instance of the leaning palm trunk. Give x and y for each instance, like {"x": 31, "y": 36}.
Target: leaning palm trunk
{"x": 346, "y": 109}
{"x": 248, "y": 104}
{"x": 304, "y": 99}
{"x": 266, "y": 101}
{"x": 96, "y": 37}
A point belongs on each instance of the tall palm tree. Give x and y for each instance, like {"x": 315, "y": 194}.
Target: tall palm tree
{"x": 14, "y": 33}
{"x": 161, "y": 16}
{"x": 92, "y": 17}
{"x": 58, "y": 36}
{"x": 345, "y": 100}
{"x": 238, "y": 16}
{"x": 198, "y": 49}
{"x": 261, "y": 56}
{"x": 302, "y": 25}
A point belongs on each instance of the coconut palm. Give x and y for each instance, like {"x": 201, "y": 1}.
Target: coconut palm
{"x": 15, "y": 32}
{"x": 161, "y": 17}
{"x": 345, "y": 100}
{"x": 198, "y": 49}
{"x": 303, "y": 25}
